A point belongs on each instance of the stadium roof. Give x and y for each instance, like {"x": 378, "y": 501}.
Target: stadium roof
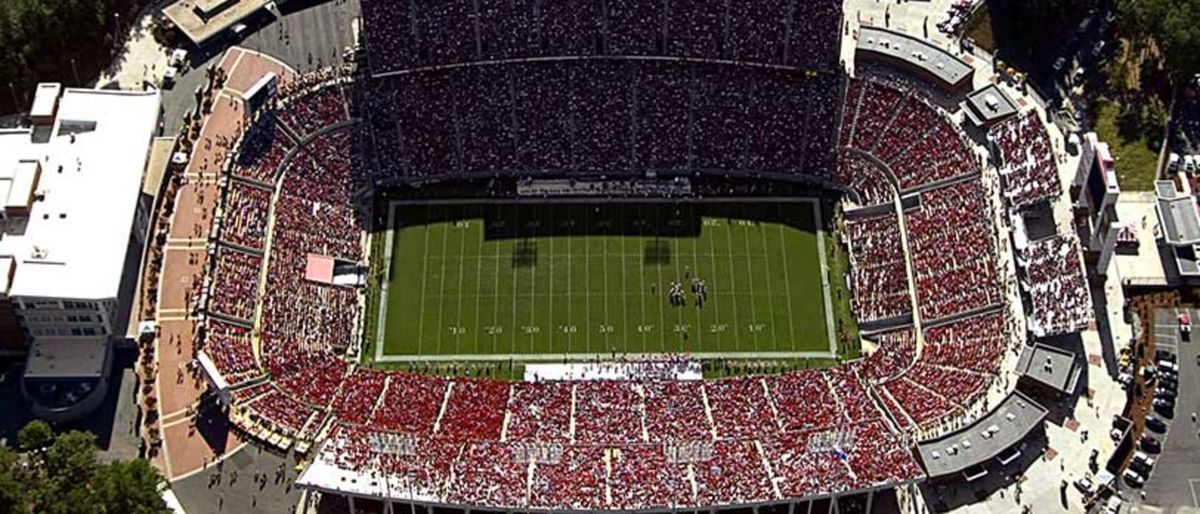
{"x": 81, "y": 185}
{"x": 917, "y": 53}
{"x": 1050, "y": 366}
{"x": 1177, "y": 213}
{"x": 66, "y": 357}
{"x": 982, "y": 440}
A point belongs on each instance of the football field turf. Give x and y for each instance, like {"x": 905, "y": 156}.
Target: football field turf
{"x": 535, "y": 282}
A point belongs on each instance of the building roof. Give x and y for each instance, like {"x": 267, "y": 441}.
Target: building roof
{"x": 1177, "y": 213}
{"x": 200, "y": 20}
{"x": 67, "y": 357}
{"x": 982, "y": 440}
{"x": 988, "y": 105}
{"x": 44, "y": 99}
{"x": 916, "y": 52}
{"x": 92, "y": 161}
{"x": 1050, "y": 366}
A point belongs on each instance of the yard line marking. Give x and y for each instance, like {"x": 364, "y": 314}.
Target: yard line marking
{"x": 550, "y": 332}
{"x": 587, "y": 284}
{"x": 679, "y": 320}
{"x": 696, "y": 270}
{"x": 787, "y": 284}
{"x": 516, "y": 328}
{"x": 762, "y": 233}
{"x": 533, "y": 290}
{"x": 496, "y": 292}
{"x": 607, "y": 319}
{"x": 642, "y": 272}
{"x": 732, "y": 282}
{"x": 442, "y": 290}
{"x": 712, "y": 256}
{"x": 624, "y": 279}
{"x": 424, "y": 276}
{"x": 750, "y": 270}
{"x": 462, "y": 248}
{"x": 478, "y": 283}
{"x": 570, "y": 294}
{"x": 662, "y": 320}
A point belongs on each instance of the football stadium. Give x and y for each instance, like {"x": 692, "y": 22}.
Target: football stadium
{"x": 530, "y": 256}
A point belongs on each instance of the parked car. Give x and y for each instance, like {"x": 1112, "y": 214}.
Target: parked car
{"x": 1133, "y": 478}
{"x": 1112, "y": 506}
{"x": 1149, "y": 444}
{"x": 1086, "y": 486}
{"x": 1156, "y": 425}
{"x": 1142, "y": 463}
{"x": 1165, "y": 355}
{"x": 1164, "y": 392}
{"x": 1165, "y": 366}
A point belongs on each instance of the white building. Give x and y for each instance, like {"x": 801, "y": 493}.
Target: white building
{"x": 74, "y": 217}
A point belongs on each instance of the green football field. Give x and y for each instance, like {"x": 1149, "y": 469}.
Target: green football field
{"x": 533, "y": 282}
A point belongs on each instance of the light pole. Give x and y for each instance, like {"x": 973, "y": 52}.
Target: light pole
{"x": 76, "y": 72}
{"x": 16, "y": 103}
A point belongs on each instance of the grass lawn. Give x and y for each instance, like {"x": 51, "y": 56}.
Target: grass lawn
{"x": 1137, "y": 157}
{"x": 530, "y": 280}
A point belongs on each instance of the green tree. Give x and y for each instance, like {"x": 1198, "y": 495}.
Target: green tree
{"x": 35, "y": 436}
{"x": 64, "y": 477}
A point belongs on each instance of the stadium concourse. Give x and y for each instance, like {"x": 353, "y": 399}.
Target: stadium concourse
{"x": 182, "y": 440}
{"x": 268, "y": 188}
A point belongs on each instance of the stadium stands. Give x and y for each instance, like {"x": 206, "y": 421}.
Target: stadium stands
{"x": 403, "y": 36}
{"x": 952, "y": 245}
{"x": 878, "y": 271}
{"x": 1058, "y": 286}
{"x": 624, "y": 444}
{"x": 1029, "y": 168}
{"x": 536, "y": 118}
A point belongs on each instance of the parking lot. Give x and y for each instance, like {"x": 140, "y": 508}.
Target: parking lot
{"x": 1174, "y": 481}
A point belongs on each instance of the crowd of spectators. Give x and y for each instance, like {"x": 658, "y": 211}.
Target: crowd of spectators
{"x": 975, "y": 344}
{"x": 235, "y": 283}
{"x": 900, "y": 127}
{"x": 405, "y": 36}
{"x": 244, "y": 222}
{"x": 539, "y": 118}
{"x": 230, "y": 349}
{"x": 878, "y": 272}
{"x": 1028, "y": 165}
{"x": 262, "y": 150}
{"x": 863, "y": 176}
{"x": 952, "y": 245}
{"x": 894, "y": 354}
{"x": 1057, "y": 285}
{"x": 311, "y": 110}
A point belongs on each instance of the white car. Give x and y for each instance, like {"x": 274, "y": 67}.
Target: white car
{"x": 1112, "y": 506}
{"x": 1168, "y": 365}
{"x": 1086, "y": 486}
{"x": 1133, "y": 478}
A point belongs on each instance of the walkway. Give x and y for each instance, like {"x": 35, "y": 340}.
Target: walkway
{"x": 192, "y": 439}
